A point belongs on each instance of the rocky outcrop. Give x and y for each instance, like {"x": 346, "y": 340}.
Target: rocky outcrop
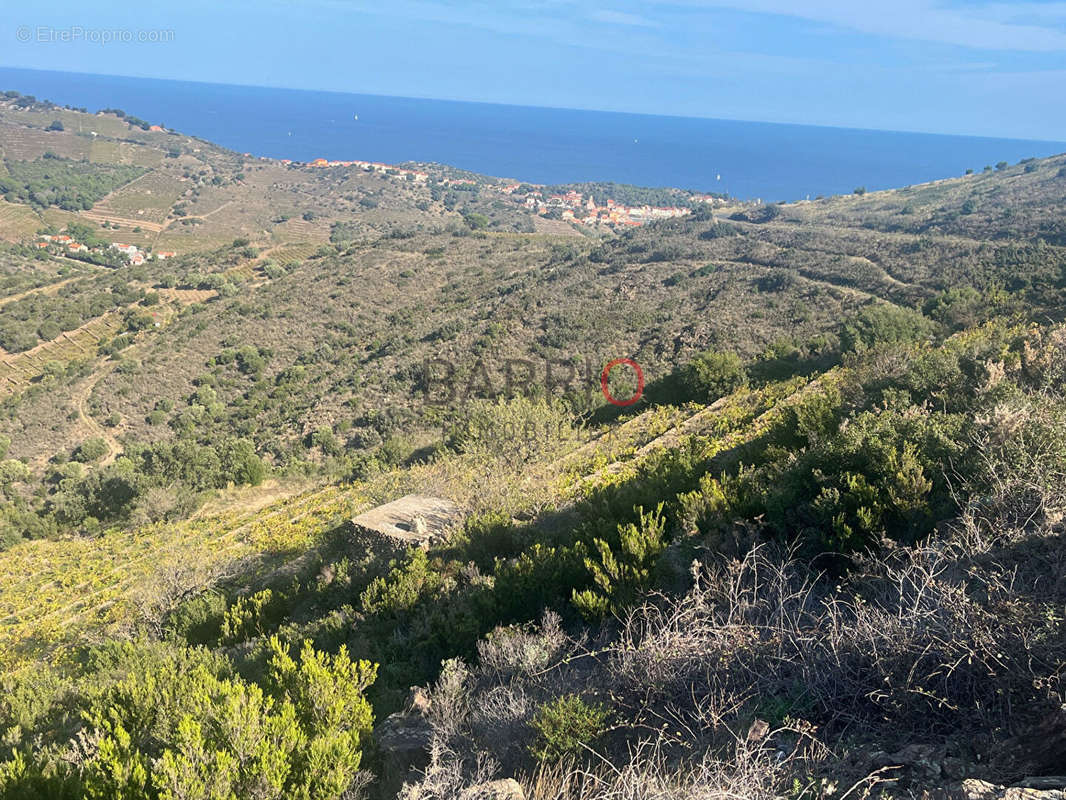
{"x": 403, "y": 740}
{"x": 1044, "y": 788}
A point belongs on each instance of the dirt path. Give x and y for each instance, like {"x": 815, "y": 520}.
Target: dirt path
{"x": 50, "y": 288}
{"x": 80, "y": 400}
{"x": 216, "y": 210}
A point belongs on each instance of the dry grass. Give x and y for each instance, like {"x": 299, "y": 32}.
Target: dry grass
{"x": 747, "y": 771}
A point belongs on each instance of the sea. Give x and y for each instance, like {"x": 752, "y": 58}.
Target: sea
{"x": 769, "y": 161}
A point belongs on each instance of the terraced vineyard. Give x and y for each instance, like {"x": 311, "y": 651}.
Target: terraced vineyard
{"x": 301, "y": 229}
{"x": 292, "y": 253}
{"x": 244, "y": 272}
{"x": 17, "y": 371}
{"x": 74, "y": 122}
{"x": 54, "y": 592}
{"x": 17, "y": 222}
{"x": 25, "y": 144}
{"x": 50, "y": 288}
{"x": 148, "y": 199}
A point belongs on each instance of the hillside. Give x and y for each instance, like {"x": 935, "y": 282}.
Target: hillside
{"x": 812, "y": 559}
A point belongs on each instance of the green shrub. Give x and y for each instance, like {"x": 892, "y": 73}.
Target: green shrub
{"x": 90, "y": 450}
{"x": 879, "y": 477}
{"x": 175, "y": 722}
{"x": 567, "y": 726}
{"x": 883, "y": 324}
{"x": 621, "y": 577}
{"x": 476, "y": 221}
{"x": 957, "y": 308}
{"x": 246, "y": 617}
{"x": 712, "y": 375}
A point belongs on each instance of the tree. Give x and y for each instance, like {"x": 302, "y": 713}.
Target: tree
{"x": 476, "y": 222}
{"x": 240, "y": 462}
{"x": 249, "y": 360}
{"x": 91, "y": 450}
{"x": 884, "y": 323}
{"x": 712, "y": 375}
{"x": 12, "y": 471}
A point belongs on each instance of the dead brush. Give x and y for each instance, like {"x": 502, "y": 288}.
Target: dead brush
{"x": 1017, "y": 485}
{"x": 747, "y": 770}
{"x": 449, "y": 772}
{"x": 901, "y": 641}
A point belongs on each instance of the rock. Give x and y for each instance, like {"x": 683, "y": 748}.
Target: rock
{"x": 972, "y": 789}
{"x": 1044, "y": 782}
{"x": 403, "y": 740}
{"x": 915, "y": 762}
{"x": 505, "y": 789}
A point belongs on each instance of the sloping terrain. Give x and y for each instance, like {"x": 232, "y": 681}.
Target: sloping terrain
{"x": 816, "y": 558}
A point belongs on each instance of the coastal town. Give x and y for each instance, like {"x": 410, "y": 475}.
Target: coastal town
{"x": 574, "y": 206}
{"x": 571, "y": 206}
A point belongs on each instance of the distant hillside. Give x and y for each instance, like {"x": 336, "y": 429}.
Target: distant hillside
{"x": 816, "y": 556}
{"x": 297, "y": 313}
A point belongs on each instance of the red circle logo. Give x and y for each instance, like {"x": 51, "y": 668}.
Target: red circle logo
{"x": 607, "y": 373}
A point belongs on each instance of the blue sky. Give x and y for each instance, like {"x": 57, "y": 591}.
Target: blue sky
{"x": 985, "y": 68}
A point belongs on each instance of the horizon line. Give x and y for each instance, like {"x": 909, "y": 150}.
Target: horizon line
{"x": 543, "y": 107}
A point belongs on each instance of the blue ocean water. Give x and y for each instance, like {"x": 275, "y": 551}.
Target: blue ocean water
{"x": 543, "y": 145}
